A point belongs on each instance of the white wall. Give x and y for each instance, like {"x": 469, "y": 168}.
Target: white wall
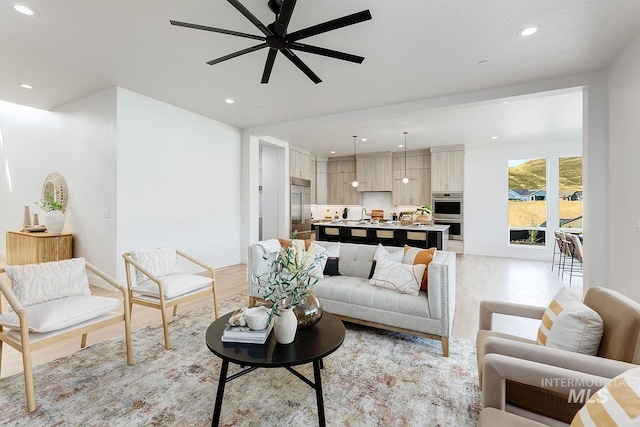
{"x": 178, "y": 181}
{"x": 76, "y": 140}
{"x": 624, "y": 160}
{"x": 485, "y": 196}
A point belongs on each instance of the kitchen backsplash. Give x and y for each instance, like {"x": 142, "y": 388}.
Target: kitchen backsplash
{"x": 370, "y": 200}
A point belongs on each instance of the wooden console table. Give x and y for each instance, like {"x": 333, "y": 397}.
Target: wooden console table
{"x": 24, "y": 247}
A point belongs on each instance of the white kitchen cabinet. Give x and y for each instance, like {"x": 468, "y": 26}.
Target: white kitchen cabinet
{"x": 374, "y": 172}
{"x": 321, "y": 181}
{"x": 447, "y": 169}
{"x": 299, "y": 164}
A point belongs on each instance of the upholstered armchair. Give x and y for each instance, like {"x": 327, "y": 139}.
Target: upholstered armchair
{"x": 51, "y": 302}
{"x": 155, "y": 280}
{"x": 581, "y": 378}
{"x": 620, "y": 341}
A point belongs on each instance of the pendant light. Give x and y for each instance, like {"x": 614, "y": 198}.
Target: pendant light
{"x": 405, "y": 180}
{"x": 355, "y": 182}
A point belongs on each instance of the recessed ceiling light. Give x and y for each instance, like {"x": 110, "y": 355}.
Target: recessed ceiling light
{"x": 401, "y": 145}
{"x": 494, "y": 137}
{"x": 528, "y": 31}
{"x": 25, "y": 10}
{"x": 26, "y": 86}
{"x": 332, "y": 152}
{"x": 363, "y": 139}
{"x": 229, "y": 101}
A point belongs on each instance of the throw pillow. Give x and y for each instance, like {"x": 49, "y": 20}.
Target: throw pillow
{"x": 616, "y": 404}
{"x": 570, "y": 325}
{"x": 331, "y": 267}
{"x": 318, "y": 256}
{"x": 420, "y": 256}
{"x": 159, "y": 262}
{"x": 287, "y": 242}
{"x": 38, "y": 283}
{"x": 382, "y": 253}
{"x": 403, "y": 278}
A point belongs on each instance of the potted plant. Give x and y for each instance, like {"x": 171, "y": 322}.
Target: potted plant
{"x": 54, "y": 215}
{"x": 287, "y": 284}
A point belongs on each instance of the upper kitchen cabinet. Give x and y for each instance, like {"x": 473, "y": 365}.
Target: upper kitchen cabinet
{"x": 418, "y": 169}
{"x": 447, "y": 168}
{"x": 341, "y": 173}
{"x": 373, "y": 172}
{"x": 299, "y": 163}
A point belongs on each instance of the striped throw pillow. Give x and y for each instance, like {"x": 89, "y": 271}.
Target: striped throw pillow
{"x": 615, "y": 404}
{"x": 570, "y": 325}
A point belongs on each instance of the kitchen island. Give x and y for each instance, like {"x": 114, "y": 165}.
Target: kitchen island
{"x": 386, "y": 233}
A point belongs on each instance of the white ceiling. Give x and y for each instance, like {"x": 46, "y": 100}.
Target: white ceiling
{"x": 414, "y": 50}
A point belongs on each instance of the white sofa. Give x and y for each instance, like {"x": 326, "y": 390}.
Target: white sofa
{"x": 351, "y": 298}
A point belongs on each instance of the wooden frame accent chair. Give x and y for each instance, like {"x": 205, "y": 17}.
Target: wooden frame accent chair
{"x": 51, "y": 302}
{"x": 158, "y": 282}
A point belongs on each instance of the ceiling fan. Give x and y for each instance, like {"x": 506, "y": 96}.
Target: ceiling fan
{"x": 277, "y": 39}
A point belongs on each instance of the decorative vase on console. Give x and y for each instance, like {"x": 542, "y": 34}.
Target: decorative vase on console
{"x": 54, "y": 216}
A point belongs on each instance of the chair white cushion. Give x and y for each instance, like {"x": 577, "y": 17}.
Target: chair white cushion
{"x": 174, "y": 285}
{"x": 159, "y": 262}
{"x": 38, "y": 283}
{"x": 615, "y": 404}
{"x": 403, "y": 278}
{"x": 570, "y": 325}
{"x": 61, "y": 313}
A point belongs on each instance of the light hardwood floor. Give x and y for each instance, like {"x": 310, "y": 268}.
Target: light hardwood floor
{"x": 478, "y": 277}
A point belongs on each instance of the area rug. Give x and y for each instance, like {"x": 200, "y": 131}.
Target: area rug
{"x": 376, "y": 378}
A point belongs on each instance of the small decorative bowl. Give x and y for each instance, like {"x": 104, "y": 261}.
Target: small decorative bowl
{"x": 257, "y": 318}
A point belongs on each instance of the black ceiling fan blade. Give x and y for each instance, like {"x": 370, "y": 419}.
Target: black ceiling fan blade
{"x": 216, "y": 30}
{"x": 251, "y": 17}
{"x": 334, "y": 24}
{"x": 268, "y": 66}
{"x": 326, "y": 52}
{"x": 301, "y": 65}
{"x": 282, "y": 23}
{"x": 236, "y": 54}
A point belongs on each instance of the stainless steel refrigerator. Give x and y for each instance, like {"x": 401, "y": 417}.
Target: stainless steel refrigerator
{"x": 301, "y": 207}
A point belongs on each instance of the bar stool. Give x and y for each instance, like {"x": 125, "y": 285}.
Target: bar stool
{"x": 559, "y": 249}
{"x": 358, "y": 235}
{"x": 417, "y": 239}
{"x": 332, "y": 234}
{"x": 385, "y": 237}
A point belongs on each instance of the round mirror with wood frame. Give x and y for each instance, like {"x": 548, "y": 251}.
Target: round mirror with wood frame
{"x": 55, "y": 187}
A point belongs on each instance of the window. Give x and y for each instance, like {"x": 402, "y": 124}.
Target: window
{"x": 527, "y": 201}
{"x": 570, "y": 192}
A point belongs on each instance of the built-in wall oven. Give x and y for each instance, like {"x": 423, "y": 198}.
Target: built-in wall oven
{"x": 447, "y": 210}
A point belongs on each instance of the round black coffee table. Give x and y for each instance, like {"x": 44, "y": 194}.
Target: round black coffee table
{"x": 310, "y": 346}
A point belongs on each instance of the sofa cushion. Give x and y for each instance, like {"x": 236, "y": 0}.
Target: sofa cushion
{"x": 382, "y": 253}
{"x": 38, "y": 283}
{"x": 570, "y": 325}
{"x": 61, "y": 313}
{"x": 403, "y": 278}
{"x": 174, "y": 285}
{"x": 419, "y": 256}
{"x": 159, "y": 262}
{"x": 616, "y": 404}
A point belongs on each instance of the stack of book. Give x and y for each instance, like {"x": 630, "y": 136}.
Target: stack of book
{"x": 243, "y": 334}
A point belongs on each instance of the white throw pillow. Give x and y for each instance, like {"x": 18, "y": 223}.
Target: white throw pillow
{"x": 570, "y": 325}
{"x": 61, "y": 313}
{"x": 316, "y": 256}
{"x": 159, "y": 262}
{"x": 404, "y": 278}
{"x": 615, "y": 404}
{"x": 38, "y": 283}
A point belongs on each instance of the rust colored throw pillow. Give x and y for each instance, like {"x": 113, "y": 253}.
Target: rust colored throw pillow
{"x": 419, "y": 256}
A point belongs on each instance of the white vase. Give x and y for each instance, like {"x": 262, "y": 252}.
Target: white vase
{"x": 55, "y": 222}
{"x": 285, "y": 325}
